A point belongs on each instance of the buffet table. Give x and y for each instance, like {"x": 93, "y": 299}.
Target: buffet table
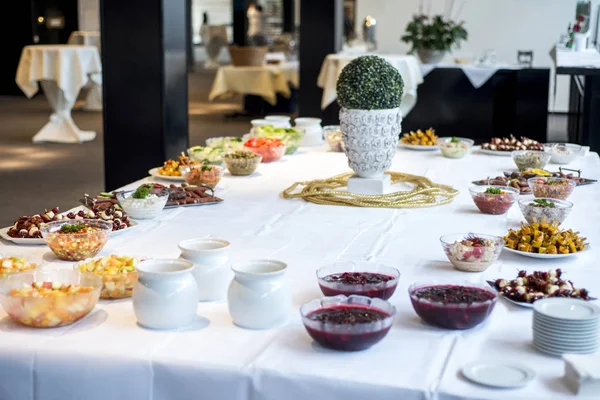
{"x": 62, "y": 70}
{"x": 108, "y": 356}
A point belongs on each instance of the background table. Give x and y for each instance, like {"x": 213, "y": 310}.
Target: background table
{"x": 107, "y": 356}
{"x": 265, "y": 81}
{"x": 62, "y": 70}
{"x": 408, "y": 66}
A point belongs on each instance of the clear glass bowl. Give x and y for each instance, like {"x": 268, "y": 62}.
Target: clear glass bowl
{"x": 551, "y": 188}
{"x": 147, "y": 208}
{"x": 206, "y": 155}
{"x": 358, "y": 277}
{"x": 207, "y": 175}
{"x": 471, "y": 258}
{"x": 348, "y": 334}
{"x": 15, "y": 263}
{"x": 268, "y": 154}
{"x": 457, "y": 149}
{"x": 118, "y": 274}
{"x": 473, "y": 304}
{"x": 562, "y": 153}
{"x": 76, "y": 247}
{"x": 535, "y": 214}
{"x": 495, "y": 204}
{"x": 242, "y": 166}
{"x": 49, "y": 312}
{"x": 530, "y": 159}
{"x": 227, "y": 144}
{"x": 333, "y": 137}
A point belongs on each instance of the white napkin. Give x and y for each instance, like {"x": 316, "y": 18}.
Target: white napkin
{"x": 582, "y": 373}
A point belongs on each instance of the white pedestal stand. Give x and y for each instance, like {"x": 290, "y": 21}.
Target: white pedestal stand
{"x": 370, "y": 186}
{"x": 61, "y": 128}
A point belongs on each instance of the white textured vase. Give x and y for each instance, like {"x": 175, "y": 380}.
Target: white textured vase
{"x": 370, "y": 139}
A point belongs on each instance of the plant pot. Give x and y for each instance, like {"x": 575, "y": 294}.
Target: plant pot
{"x": 370, "y": 139}
{"x": 428, "y": 56}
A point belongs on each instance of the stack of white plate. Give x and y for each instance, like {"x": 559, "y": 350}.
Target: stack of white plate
{"x": 562, "y": 326}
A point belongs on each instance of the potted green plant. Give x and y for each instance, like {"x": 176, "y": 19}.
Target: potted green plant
{"x": 369, "y": 91}
{"x": 431, "y": 38}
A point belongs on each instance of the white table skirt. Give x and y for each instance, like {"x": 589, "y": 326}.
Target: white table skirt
{"x": 107, "y": 356}
{"x": 63, "y": 70}
{"x": 266, "y": 81}
{"x": 407, "y": 65}
{"x": 478, "y": 75}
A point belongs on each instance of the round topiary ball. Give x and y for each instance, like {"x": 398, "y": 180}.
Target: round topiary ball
{"x": 369, "y": 83}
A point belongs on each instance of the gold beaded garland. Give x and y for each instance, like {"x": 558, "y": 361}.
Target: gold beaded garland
{"x": 325, "y": 191}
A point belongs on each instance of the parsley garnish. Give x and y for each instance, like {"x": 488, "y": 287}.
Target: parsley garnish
{"x": 143, "y": 191}
{"x": 454, "y": 140}
{"x": 70, "y": 228}
{"x": 491, "y": 190}
{"x": 544, "y": 203}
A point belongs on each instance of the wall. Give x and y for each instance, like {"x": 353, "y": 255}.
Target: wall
{"x": 89, "y": 15}
{"x": 505, "y": 26}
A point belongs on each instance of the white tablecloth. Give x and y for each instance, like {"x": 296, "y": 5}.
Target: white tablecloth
{"x": 63, "y": 70}
{"x": 85, "y": 38}
{"x": 107, "y": 356}
{"x": 478, "y": 75}
{"x": 564, "y": 57}
{"x": 335, "y": 63}
{"x": 265, "y": 81}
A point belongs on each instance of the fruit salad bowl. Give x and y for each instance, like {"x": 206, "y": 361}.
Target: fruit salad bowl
{"x": 452, "y": 305}
{"x": 472, "y": 252}
{"x": 49, "y": 298}
{"x": 347, "y": 323}
{"x": 76, "y": 240}
{"x": 118, "y": 273}
{"x": 359, "y": 278}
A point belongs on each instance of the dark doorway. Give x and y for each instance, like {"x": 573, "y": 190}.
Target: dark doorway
{"x": 54, "y": 20}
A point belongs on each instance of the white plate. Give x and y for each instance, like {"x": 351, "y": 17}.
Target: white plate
{"x": 546, "y": 256}
{"x": 564, "y": 328}
{"x": 154, "y": 172}
{"x": 590, "y": 339}
{"x": 495, "y": 153}
{"x": 559, "y": 352}
{"x": 592, "y": 323}
{"x": 417, "y": 147}
{"x": 500, "y": 375}
{"x": 567, "y": 309}
{"x": 552, "y": 345}
{"x": 39, "y": 241}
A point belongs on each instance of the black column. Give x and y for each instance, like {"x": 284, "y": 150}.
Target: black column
{"x": 321, "y": 33}
{"x": 591, "y": 113}
{"x": 190, "y": 33}
{"x": 144, "y": 45}
{"x": 288, "y": 16}
{"x": 17, "y": 34}
{"x": 240, "y": 21}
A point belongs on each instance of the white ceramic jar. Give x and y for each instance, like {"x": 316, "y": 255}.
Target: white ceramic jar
{"x": 212, "y": 268}
{"x": 165, "y": 295}
{"x": 313, "y": 131}
{"x": 258, "y": 296}
{"x": 282, "y": 121}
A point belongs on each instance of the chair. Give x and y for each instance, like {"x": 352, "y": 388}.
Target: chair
{"x": 525, "y": 58}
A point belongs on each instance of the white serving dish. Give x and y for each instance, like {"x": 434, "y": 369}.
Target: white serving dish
{"x": 212, "y": 267}
{"x": 417, "y": 147}
{"x": 258, "y": 296}
{"x": 165, "y": 295}
{"x": 154, "y": 172}
{"x": 498, "y": 374}
{"x": 546, "y": 256}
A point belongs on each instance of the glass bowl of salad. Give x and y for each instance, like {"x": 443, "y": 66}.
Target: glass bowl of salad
{"x": 455, "y": 147}
{"x": 551, "y": 188}
{"x": 49, "y": 298}
{"x": 472, "y": 252}
{"x": 562, "y": 153}
{"x": 242, "y": 163}
{"x": 226, "y": 144}
{"x": 118, "y": 273}
{"x": 146, "y": 202}
{"x": 206, "y": 155}
{"x": 17, "y": 263}
{"x": 270, "y": 149}
{"x": 495, "y": 200}
{"x": 530, "y": 159}
{"x": 203, "y": 175}
{"x": 537, "y": 210}
{"x": 333, "y": 137}
{"x": 76, "y": 240}
{"x": 291, "y": 137}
